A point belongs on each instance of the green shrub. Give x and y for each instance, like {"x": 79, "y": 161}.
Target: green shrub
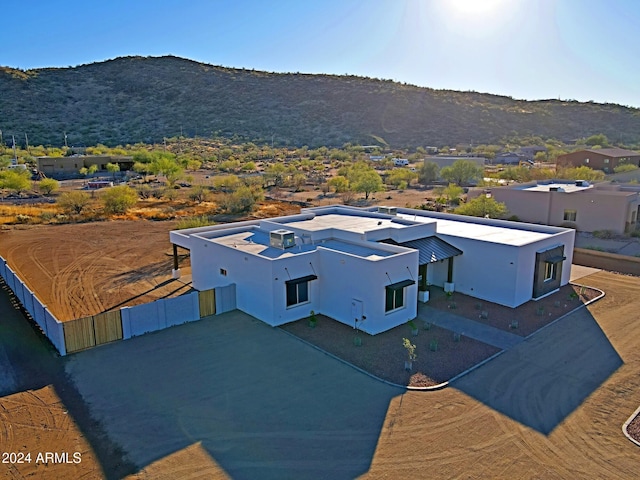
{"x": 194, "y": 222}
{"x": 119, "y": 199}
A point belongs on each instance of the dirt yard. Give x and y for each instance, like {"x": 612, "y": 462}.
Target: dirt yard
{"x": 449, "y": 433}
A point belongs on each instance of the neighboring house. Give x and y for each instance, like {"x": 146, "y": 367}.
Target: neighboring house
{"x": 400, "y": 162}
{"x": 510, "y": 158}
{"x": 372, "y": 265}
{"x": 586, "y": 207}
{"x": 529, "y": 153}
{"x": 68, "y": 166}
{"x": 605, "y": 159}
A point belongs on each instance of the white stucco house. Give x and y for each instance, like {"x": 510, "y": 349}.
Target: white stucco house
{"x": 373, "y": 265}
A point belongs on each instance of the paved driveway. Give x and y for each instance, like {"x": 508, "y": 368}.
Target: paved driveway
{"x": 262, "y": 404}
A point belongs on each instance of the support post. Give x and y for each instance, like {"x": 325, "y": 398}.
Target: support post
{"x": 175, "y": 273}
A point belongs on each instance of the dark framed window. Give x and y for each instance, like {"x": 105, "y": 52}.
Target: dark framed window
{"x": 549, "y": 271}
{"x": 394, "y": 295}
{"x": 298, "y": 290}
{"x": 570, "y": 215}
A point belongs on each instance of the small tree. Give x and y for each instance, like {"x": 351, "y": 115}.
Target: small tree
{"x": 411, "y": 353}
{"x": 15, "y": 180}
{"x": 74, "y": 201}
{"x": 339, "y": 184}
{"x": 198, "y": 193}
{"x": 428, "y": 173}
{"x": 92, "y": 169}
{"x": 483, "y": 206}
{"x": 462, "y": 172}
{"x": 48, "y": 185}
{"x": 113, "y": 168}
{"x": 119, "y": 199}
{"x": 368, "y": 182}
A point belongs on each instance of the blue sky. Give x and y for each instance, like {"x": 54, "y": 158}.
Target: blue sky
{"x": 527, "y": 49}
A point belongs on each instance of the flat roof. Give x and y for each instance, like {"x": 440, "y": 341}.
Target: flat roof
{"x": 257, "y": 242}
{"x": 565, "y": 187}
{"x": 348, "y": 222}
{"x": 486, "y": 233}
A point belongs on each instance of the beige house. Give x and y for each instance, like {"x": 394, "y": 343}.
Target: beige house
{"x": 579, "y": 204}
{"x": 68, "y": 166}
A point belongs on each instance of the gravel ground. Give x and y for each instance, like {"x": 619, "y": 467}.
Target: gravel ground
{"x": 384, "y": 355}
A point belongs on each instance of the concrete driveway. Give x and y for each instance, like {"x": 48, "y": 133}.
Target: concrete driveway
{"x": 262, "y": 404}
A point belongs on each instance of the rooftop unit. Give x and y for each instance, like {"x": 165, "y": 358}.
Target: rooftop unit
{"x": 582, "y": 183}
{"x": 282, "y": 239}
{"x": 388, "y": 210}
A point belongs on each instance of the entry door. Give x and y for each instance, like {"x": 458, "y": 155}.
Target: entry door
{"x": 356, "y": 312}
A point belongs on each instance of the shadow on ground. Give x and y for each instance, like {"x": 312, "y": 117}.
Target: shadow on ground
{"x": 262, "y": 404}
{"x": 544, "y": 379}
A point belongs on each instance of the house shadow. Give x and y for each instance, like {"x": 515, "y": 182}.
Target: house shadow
{"x": 260, "y": 403}
{"x": 544, "y": 379}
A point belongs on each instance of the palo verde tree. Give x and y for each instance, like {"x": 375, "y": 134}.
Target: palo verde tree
{"x": 119, "y": 199}
{"x": 462, "y": 172}
{"x": 483, "y": 206}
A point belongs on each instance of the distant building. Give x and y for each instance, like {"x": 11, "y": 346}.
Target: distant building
{"x": 70, "y": 166}
{"x": 530, "y": 152}
{"x": 509, "y": 158}
{"x": 586, "y": 207}
{"x": 605, "y": 159}
{"x": 400, "y": 162}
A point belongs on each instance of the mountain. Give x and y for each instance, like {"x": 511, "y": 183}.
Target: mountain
{"x": 144, "y": 99}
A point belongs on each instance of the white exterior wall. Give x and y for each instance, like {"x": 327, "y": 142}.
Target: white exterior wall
{"x": 501, "y": 273}
{"x": 346, "y": 277}
{"x": 251, "y": 274}
{"x": 299, "y": 265}
{"x": 487, "y": 271}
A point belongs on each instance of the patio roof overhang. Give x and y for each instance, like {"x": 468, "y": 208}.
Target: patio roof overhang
{"x": 432, "y": 249}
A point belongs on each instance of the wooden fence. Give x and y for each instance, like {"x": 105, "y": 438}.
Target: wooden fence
{"x": 87, "y": 332}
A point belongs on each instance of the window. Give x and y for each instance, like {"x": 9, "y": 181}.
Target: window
{"x": 549, "y": 271}
{"x": 570, "y": 215}
{"x": 586, "y": 160}
{"x": 394, "y": 295}
{"x": 395, "y": 299}
{"x": 606, "y": 160}
{"x": 297, "y": 293}
{"x": 223, "y": 272}
{"x": 298, "y": 290}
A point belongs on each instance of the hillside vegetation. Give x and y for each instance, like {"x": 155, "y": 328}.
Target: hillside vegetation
{"x": 136, "y": 99}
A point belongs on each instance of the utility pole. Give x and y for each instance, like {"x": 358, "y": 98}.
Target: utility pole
{"x": 26, "y": 141}
{"x": 65, "y": 140}
{"x": 15, "y": 154}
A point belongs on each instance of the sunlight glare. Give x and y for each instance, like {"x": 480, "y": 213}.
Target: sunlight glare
{"x": 475, "y": 7}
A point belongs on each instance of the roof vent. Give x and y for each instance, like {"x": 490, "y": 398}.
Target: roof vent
{"x": 582, "y": 183}
{"x": 388, "y": 210}
{"x": 282, "y": 239}
{"x": 556, "y": 189}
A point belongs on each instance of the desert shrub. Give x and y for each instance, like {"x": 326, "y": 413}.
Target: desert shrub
{"x": 46, "y": 216}
{"x": 606, "y": 234}
{"x": 20, "y": 218}
{"x": 194, "y": 222}
{"x": 168, "y": 194}
{"x": 48, "y": 185}
{"x": 144, "y": 191}
{"x": 74, "y": 202}
{"x": 241, "y": 201}
{"x": 119, "y": 199}
{"x": 198, "y": 193}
